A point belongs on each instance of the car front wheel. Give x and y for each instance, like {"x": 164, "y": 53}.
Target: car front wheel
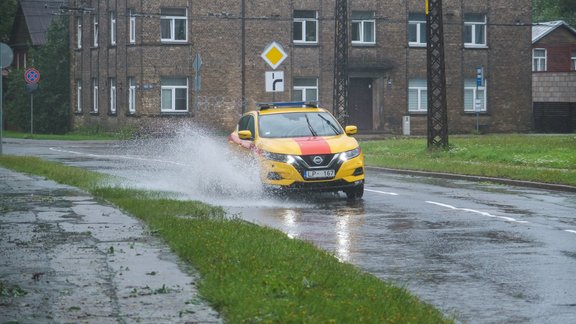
{"x": 355, "y": 193}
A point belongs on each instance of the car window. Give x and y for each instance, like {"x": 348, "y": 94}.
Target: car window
{"x": 243, "y": 123}
{"x": 298, "y": 124}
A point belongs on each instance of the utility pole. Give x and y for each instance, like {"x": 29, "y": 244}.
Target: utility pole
{"x": 437, "y": 110}
{"x": 341, "y": 80}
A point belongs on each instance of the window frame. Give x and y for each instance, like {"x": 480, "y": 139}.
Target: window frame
{"x": 537, "y": 61}
{"x": 95, "y": 89}
{"x": 172, "y": 19}
{"x": 78, "y": 32}
{"x": 473, "y": 26}
{"x": 131, "y": 95}
{"x": 173, "y": 89}
{"x": 303, "y": 21}
{"x": 95, "y": 31}
{"x": 113, "y": 96}
{"x": 132, "y": 28}
{"x": 422, "y": 93}
{"x": 78, "y": 95}
{"x": 420, "y": 25}
{"x": 573, "y": 61}
{"x": 362, "y": 28}
{"x": 475, "y": 89}
{"x": 304, "y": 88}
{"x": 113, "y": 28}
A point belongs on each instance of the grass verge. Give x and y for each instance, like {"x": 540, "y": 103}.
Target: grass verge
{"x": 251, "y": 273}
{"x": 539, "y": 158}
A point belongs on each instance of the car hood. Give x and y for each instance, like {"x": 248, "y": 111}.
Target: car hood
{"x": 308, "y": 145}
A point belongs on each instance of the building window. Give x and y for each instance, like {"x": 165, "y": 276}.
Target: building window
{"x": 112, "y": 28}
{"x": 417, "y": 29}
{"x": 474, "y": 96}
{"x": 363, "y": 27}
{"x": 417, "y": 95}
{"x": 132, "y": 27}
{"x": 113, "y": 95}
{"x": 173, "y": 25}
{"x": 539, "y": 60}
{"x": 305, "y": 89}
{"x": 475, "y": 30}
{"x": 131, "y": 95}
{"x": 94, "y": 95}
{"x": 79, "y": 96}
{"x": 573, "y": 60}
{"x": 174, "y": 94}
{"x": 305, "y": 27}
{"x": 96, "y": 31}
{"x": 79, "y": 32}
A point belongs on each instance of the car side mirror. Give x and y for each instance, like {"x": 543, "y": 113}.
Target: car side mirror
{"x": 351, "y": 130}
{"x": 245, "y": 135}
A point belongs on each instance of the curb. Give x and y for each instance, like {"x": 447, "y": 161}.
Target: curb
{"x": 520, "y": 183}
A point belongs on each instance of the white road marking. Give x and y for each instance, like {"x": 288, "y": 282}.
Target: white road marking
{"x": 123, "y": 157}
{"x": 382, "y": 192}
{"x": 570, "y": 231}
{"x": 509, "y": 219}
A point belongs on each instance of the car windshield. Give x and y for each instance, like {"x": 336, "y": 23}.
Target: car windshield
{"x": 298, "y": 124}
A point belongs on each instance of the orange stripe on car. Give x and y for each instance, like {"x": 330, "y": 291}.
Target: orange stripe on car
{"x": 313, "y": 145}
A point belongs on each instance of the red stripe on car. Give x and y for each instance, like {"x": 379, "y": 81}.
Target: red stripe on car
{"x": 313, "y": 145}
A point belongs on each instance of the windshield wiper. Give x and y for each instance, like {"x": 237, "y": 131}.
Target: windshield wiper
{"x": 334, "y": 128}
{"x": 310, "y": 126}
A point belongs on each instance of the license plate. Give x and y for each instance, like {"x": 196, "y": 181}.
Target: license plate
{"x": 314, "y": 174}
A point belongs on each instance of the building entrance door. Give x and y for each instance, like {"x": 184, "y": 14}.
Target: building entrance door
{"x": 360, "y": 103}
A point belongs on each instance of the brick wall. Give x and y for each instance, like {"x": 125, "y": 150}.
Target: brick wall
{"x": 215, "y": 32}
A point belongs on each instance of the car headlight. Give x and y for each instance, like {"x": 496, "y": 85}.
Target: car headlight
{"x": 345, "y": 156}
{"x": 285, "y": 158}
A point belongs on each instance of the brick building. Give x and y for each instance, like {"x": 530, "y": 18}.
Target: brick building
{"x": 554, "y": 77}
{"x": 133, "y": 61}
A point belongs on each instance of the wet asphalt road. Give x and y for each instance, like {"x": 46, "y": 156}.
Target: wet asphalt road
{"x": 481, "y": 252}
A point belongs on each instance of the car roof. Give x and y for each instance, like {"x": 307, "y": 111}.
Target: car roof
{"x": 282, "y": 110}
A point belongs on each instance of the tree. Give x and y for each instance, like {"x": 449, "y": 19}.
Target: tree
{"x": 7, "y": 13}
{"x": 52, "y": 100}
{"x": 548, "y": 10}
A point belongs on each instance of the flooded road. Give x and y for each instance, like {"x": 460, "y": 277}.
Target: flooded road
{"x": 481, "y": 252}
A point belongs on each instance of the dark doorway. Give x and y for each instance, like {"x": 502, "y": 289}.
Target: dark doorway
{"x": 360, "y": 104}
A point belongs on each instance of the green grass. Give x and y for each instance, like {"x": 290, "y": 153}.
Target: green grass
{"x": 79, "y": 135}
{"x": 540, "y": 158}
{"x": 251, "y": 273}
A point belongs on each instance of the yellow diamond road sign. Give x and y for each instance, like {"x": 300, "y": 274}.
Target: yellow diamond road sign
{"x": 274, "y": 55}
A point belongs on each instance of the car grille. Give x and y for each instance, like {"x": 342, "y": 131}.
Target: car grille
{"x": 306, "y": 162}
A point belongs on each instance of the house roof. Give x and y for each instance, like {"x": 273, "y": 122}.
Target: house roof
{"x": 38, "y": 15}
{"x": 541, "y": 29}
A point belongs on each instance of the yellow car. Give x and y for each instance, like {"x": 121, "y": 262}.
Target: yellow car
{"x": 302, "y": 147}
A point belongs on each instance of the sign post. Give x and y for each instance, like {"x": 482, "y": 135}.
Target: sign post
{"x": 6, "y": 56}
{"x": 31, "y": 76}
{"x": 477, "y": 102}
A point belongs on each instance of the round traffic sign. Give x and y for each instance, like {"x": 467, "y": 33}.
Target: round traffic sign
{"x": 32, "y": 76}
{"x": 6, "y": 55}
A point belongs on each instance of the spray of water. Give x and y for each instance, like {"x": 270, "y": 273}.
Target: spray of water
{"x": 197, "y": 164}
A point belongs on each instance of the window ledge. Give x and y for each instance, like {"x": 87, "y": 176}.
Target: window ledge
{"x": 363, "y": 44}
{"x": 94, "y": 113}
{"x": 165, "y": 42}
{"x": 417, "y": 45}
{"x": 472, "y": 46}
{"x": 175, "y": 113}
{"x": 418, "y": 113}
{"x": 302, "y": 44}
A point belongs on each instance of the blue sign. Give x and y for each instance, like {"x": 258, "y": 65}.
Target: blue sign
{"x": 479, "y": 76}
